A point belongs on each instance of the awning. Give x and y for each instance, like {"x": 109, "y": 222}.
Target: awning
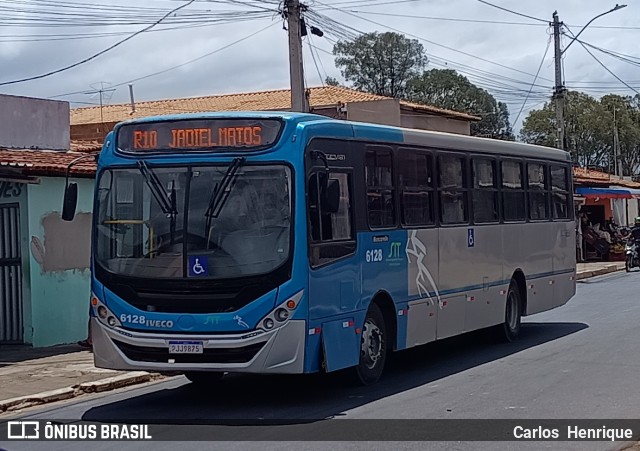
{"x": 608, "y": 193}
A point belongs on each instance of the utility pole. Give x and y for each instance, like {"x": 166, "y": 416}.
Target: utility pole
{"x": 616, "y": 147}
{"x": 559, "y": 88}
{"x": 293, "y": 10}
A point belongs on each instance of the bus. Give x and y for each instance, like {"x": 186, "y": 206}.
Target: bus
{"x": 281, "y": 242}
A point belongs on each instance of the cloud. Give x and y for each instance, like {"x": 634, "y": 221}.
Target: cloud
{"x": 261, "y": 62}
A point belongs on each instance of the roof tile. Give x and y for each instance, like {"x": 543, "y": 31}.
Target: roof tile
{"x": 44, "y": 162}
{"x": 253, "y": 101}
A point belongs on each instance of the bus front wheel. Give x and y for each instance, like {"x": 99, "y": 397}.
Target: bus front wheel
{"x": 373, "y": 347}
{"x": 510, "y": 329}
{"x": 204, "y": 377}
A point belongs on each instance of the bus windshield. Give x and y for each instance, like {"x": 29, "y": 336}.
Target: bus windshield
{"x": 157, "y": 222}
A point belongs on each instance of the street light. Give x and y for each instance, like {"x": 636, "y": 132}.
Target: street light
{"x": 615, "y": 8}
{"x": 560, "y": 88}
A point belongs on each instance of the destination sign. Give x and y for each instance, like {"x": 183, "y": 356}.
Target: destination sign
{"x": 199, "y": 134}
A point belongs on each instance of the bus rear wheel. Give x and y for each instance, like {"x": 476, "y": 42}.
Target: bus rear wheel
{"x": 373, "y": 347}
{"x": 203, "y": 377}
{"x": 510, "y": 329}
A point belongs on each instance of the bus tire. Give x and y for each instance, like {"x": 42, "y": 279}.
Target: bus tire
{"x": 373, "y": 347}
{"x": 510, "y": 328}
{"x": 203, "y": 377}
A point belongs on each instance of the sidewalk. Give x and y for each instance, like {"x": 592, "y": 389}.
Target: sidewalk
{"x": 32, "y": 376}
{"x": 37, "y": 376}
{"x": 586, "y": 270}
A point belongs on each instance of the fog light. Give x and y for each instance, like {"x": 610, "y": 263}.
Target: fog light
{"x": 282, "y": 314}
{"x": 268, "y": 323}
{"x": 102, "y": 312}
{"x": 111, "y": 321}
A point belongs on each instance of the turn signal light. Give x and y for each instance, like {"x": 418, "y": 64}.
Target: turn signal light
{"x": 94, "y": 301}
{"x": 291, "y": 304}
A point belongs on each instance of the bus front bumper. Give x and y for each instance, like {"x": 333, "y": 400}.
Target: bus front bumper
{"x": 277, "y": 351}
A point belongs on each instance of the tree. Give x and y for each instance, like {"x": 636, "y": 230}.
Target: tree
{"x": 380, "y": 63}
{"x": 447, "y": 89}
{"x": 331, "y": 81}
{"x": 589, "y": 130}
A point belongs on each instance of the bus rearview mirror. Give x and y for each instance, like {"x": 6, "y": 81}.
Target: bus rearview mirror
{"x": 331, "y": 197}
{"x": 70, "y": 202}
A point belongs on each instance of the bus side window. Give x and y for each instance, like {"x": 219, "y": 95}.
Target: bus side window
{"x": 513, "y": 203}
{"x": 379, "y": 179}
{"x": 485, "y": 191}
{"x": 452, "y": 188}
{"x": 330, "y": 231}
{"x": 537, "y": 189}
{"x": 559, "y": 192}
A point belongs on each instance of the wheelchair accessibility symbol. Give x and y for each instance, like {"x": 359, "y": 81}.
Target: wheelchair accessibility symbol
{"x": 198, "y": 266}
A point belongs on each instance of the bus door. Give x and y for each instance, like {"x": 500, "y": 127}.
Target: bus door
{"x": 334, "y": 276}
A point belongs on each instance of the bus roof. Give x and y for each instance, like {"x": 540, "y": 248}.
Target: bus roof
{"x": 396, "y": 135}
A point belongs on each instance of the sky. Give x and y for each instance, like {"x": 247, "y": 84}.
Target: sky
{"x": 211, "y": 47}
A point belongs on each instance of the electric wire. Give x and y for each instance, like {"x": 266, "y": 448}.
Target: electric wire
{"x": 36, "y": 77}
{"x": 534, "y": 80}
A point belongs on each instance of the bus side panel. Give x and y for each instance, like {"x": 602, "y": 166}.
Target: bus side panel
{"x": 564, "y": 263}
{"x": 384, "y": 272}
{"x": 422, "y": 254}
{"x": 486, "y": 298}
{"x": 471, "y": 276}
{"x": 533, "y": 253}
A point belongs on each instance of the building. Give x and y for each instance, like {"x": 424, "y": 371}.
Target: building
{"x": 44, "y": 262}
{"x": 93, "y": 123}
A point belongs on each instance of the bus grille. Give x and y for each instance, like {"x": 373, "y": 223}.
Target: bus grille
{"x": 216, "y": 355}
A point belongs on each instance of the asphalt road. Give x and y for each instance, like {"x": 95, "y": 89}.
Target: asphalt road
{"x": 579, "y": 361}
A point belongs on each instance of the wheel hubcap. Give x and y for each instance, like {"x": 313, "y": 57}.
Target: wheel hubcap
{"x": 371, "y": 344}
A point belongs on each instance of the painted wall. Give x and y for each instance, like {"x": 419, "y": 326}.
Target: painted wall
{"x": 27, "y": 123}
{"x": 12, "y": 192}
{"x": 435, "y": 123}
{"x": 59, "y": 263}
{"x": 385, "y": 112}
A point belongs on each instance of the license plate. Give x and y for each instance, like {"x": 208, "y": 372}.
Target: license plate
{"x": 185, "y": 347}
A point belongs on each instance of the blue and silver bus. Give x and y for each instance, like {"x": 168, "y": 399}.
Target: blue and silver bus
{"x": 295, "y": 243}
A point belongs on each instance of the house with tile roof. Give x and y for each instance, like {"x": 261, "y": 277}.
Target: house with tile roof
{"x": 93, "y": 123}
{"x": 44, "y": 261}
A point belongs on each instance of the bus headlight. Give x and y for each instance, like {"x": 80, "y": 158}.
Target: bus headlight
{"x": 282, "y": 312}
{"x": 102, "y": 312}
{"x": 282, "y": 315}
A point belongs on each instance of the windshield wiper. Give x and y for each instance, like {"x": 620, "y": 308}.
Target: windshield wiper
{"x": 221, "y": 191}
{"x": 167, "y": 202}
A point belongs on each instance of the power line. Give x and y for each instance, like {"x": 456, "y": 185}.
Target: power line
{"x": 513, "y": 12}
{"x": 437, "y": 44}
{"x": 177, "y": 66}
{"x": 36, "y": 77}
{"x": 451, "y": 19}
{"x": 534, "y": 80}
{"x": 603, "y": 65}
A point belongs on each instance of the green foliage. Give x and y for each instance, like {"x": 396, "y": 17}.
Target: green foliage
{"x": 445, "y": 88}
{"x": 590, "y": 129}
{"x": 380, "y": 63}
{"x": 331, "y": 81}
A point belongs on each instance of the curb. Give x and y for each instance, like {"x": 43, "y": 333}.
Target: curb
{"x": 110, "y": 383}
{"x": 598, "y": 272}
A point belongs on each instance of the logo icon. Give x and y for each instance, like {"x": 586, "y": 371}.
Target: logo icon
{"x": 240, "y": 321}
{"x": 198, "y": 266}
{"x": 23, "y": 430}
{"x": 394, "y": 252}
